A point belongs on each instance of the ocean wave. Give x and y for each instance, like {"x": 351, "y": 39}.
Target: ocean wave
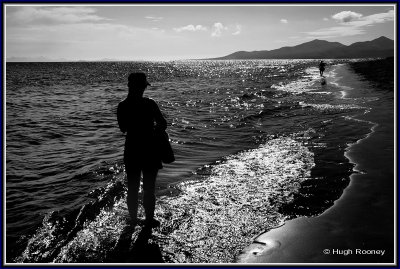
{"x": 211, "y": 220}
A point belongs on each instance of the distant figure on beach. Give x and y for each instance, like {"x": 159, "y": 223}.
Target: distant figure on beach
{"x": 139, "y": 117}
{"x": 322, "y": 68}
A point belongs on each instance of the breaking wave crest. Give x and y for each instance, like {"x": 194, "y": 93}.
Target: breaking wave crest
{"x": 219, "y": 215}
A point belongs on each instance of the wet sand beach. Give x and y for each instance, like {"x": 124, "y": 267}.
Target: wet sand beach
{"x": 359, "y": 228}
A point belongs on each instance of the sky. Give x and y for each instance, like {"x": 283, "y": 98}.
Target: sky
{"x": 173, "y": 32}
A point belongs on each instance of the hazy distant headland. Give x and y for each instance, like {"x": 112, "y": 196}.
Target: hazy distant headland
{"x": 320, "y": 49}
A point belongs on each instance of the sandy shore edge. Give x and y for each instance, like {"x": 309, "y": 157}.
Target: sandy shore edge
{"x": 359, "y": 228}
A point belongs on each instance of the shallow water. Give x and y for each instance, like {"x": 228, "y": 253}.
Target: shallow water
{"x": 256, "y": 142}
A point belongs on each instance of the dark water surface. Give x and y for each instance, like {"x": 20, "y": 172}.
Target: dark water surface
{"x": 256, "y": 143}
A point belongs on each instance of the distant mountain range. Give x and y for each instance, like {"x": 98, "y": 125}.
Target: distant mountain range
{"x": 321, "y": 49}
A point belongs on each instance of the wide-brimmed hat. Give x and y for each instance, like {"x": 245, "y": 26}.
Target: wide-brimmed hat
{"x": 138, "y": 78}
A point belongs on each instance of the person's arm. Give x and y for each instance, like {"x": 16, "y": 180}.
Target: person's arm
{"x": 121, "y": 119}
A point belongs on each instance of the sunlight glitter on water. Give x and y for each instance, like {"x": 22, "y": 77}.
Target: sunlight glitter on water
{"x": 212, "y": 219}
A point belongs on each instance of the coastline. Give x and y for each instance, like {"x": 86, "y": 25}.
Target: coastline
{"x": 361, "y": 221}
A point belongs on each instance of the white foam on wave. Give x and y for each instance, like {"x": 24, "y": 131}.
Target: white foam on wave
{"x": 90, "y": 243}
{"x": 305, "y": 84}
{"x": 296, "y": 87}
{"x": 216, "y": 218}
{"x": 314, "y": 92}
{"x": 98, "y": 238}
{"x": 330, "y": 107}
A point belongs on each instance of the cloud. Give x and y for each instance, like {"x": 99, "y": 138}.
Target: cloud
{"x": 217, "y": 29}
{"x": 284, "y": 21}
{"x": 325, "y": 19}
{"x": 338, "y": 31}
{"x": 350, "y": 24}
{"x": 378, "y": 18}
{"x": 347, "y": 16}
{"x": 78, "y": 33}
{"x": 55, "y": 15}
{"x": 238, "y": 30}
{"x": 155, "y": 19}
{"x": 83, "y": 40}
{"x": 191, "y": 28}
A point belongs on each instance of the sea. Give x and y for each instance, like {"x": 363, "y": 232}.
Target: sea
{"x": 256, "y": 143}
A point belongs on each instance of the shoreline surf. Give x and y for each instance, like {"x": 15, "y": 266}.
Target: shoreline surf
{"x": 346, "y": 230}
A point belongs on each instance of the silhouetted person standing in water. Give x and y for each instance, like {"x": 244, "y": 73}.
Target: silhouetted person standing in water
{"x": 321, "y": 68}
{"x": 139, "y": 117}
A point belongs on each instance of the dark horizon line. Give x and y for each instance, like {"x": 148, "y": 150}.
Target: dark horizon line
{"x": 278, "y": 59}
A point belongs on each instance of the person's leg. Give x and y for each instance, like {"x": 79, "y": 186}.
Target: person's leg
{"x": 133, "y": 175}
{"x": 149, "y": 197}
